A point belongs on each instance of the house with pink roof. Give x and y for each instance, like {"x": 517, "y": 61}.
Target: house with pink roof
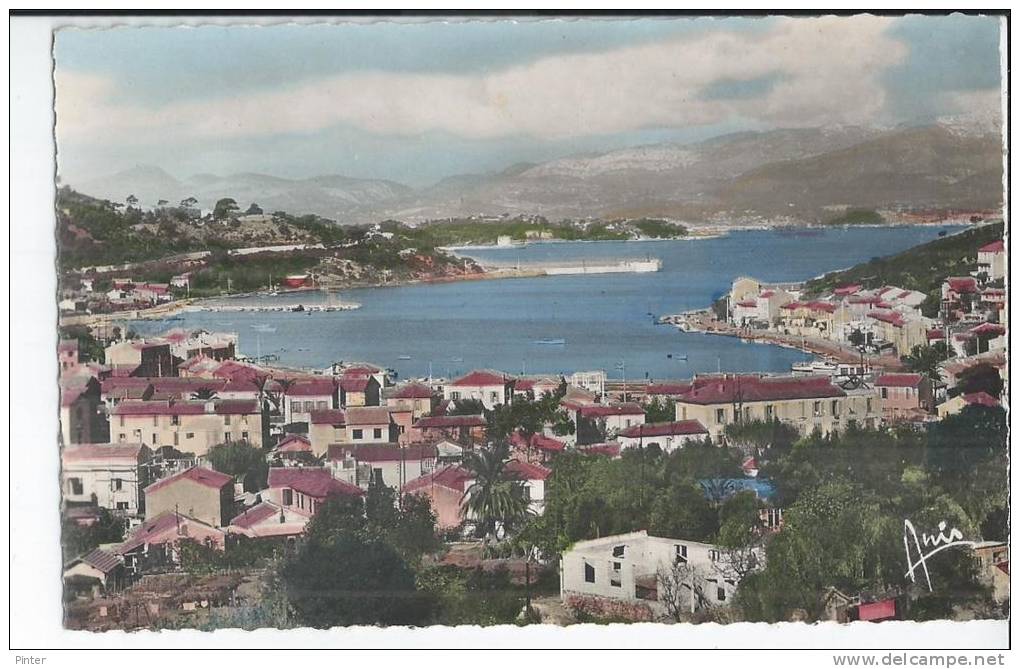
{"x": 905, "y": 395}
{"x": 267, "y": 520}
{"x": 304, "y": 490}
{"x": 489, "y": 387}
{"x": 156, "y": 542}
{"x": 666, "y": 436}
{"x": 197, "y": 492}
{"x": 991, "y": 260}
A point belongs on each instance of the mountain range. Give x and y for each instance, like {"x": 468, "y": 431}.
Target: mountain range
{"x": 800, "y": 174}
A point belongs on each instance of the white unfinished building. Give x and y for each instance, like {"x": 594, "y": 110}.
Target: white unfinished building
{"x": 629, "y": 568}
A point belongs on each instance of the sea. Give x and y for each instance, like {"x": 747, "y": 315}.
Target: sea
{"x": 606, "y": 322}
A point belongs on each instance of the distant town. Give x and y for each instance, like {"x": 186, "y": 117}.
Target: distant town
{"x": 205, "y": 487}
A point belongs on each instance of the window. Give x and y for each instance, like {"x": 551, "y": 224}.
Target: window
{"x": 75, "y": 486}
{"x": 454, "y": 395}
{"x": 122, "y": 421}
{"x": 189, "y": 435}
{"x": 713, "y": 555}
{"x": 589, "y": 573}
{"x": 817, "y": 408}
{"x": 226, "y": 419}
{"x": 494, "y": 397}
{"x": 377, "y": 475}
{"x": 122, "y": 506}
{"x": 770, "y": 412}
{"x": 618, "y": 551}
{"x": 720, "y": 415}
{"x": 288, "y": 497}
{"x": 175, "y": 420}
{"x": 177, "y": 438}
{"x": 321, "y": 404}
{"x": 117, "y": 484}
{"x": 244, "y": 436}
{"x": 155, "y": 421}
{"x": 155, "y": 438}
{"x": 122, "y": 437}
{"x": 684, "y": 412}
{"x": 377, "y": 433}
{"x": 835, "y": 408}
{"x": 357, "y": 434}
{"x": 615, "y": 580}
{"x": 885, "y": 393}
{"x": 227, "y": 436}
{"x": 868, "y": 404}
{"x": 720, "y": 594}
{"x": 681, "y": 553}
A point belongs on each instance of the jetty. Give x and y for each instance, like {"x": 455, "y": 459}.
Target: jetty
{"x": 279, "y": 308}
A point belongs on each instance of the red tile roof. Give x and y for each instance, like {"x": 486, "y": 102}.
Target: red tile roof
{"x": 481, "y": 377}
{"x": 747, "y": 304}
{"x": 995, "y": 247}
{"x": 355, "y": 384}
{"x": 989, "y": 329}
{"x": 184, "y": 408}
{"x": 899, "y": 380}
{"x": 294, "y": 443}
{"x": 313, "y": 481}
{"x": 667, "y": 388}
{"x": 412, "y": 391}
{"x": 526, "y": 471}
{"x": 749, "y": 388}
{"x": 101, "y": 560}
{"x": 935, "y": 334}
{"x": 368, "y": 416}
{"x": 612, "y": 449}
{"x": 328, "y": 417}
{"x": 539, "y": 441}
{"x": 453, "y": 477}
{"x": 962, "y": 284}
{"x": 201, "y": 475}
{"x": 255, "y": 515}
{"x": 312, "y": 387}
{"x": 102, "y": 452}
{"x": 603, "y": 410}
{"x": 891, "y": 317}
{"x": 819, "y": 305}
{"x": 848, "y": 290}
{"x": 390, "y": 452}
{"x": 150, "y": 530}
{"x": 451, "y": 421}
{"x": 675, "y": 428}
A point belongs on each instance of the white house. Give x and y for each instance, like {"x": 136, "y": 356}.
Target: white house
{"x": 532, "y": 477}
{"x": 491, "y": 388}
{"x": 992, "y": 260}
{"x": 111, "y": 475}
{"x": 667, "y": 436}
{"x": 628, "y": 568}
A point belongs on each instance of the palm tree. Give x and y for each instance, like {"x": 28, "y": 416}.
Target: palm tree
{"x": 495, "y": 499}
{"x": 285, "y": 385}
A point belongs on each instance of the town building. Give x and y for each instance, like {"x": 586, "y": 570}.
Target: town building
{"x": 991, "y": 261}
{"x": 266, "y": 520}
{"x": 445, "y": 488}
{"x": 96, "y": 573}
{"x": 628, "y": 570}
{"x": 666, "y": 436}
{"x": 303, "y": 395}
{"x": 196, "y": 492}
{"x": 81, "y": 420}
{"x": 905, "y": 395}
{"x": 111, "y": 476}
{"x": 359, "y": 391}
{"x": 370, "y": 425}
{"x": 806, "y": 402}
{"x": 67, "y": 355}
{"x": 388, "y": 464}
{"x": 326, "y": 427}
{"x": 491, "y": 388}
{"x": 155, "y": 544}
{"x": 532, "y": 477}
{"x": 468, "y": 430}
{"x": 408, "y": 403}
{"x": 306, "y": 489}
{"x": 189, "y": 426}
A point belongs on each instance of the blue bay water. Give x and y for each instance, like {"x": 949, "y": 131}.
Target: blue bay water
{"x": 605, "y": 319}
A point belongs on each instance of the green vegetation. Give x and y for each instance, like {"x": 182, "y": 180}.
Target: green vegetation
{"x": 925, "y": 359}
{"x": 78, "y": 540}
{"x": 658, "y": 228}
{"x": 245, "y": 463}
{"x": 920, "y": 268}
{"x": 857, "y": 217}
{"x": 90, "y": 349}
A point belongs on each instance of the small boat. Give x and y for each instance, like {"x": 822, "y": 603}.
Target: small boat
{"x": 403, "y": 357}
{"x": 551, "y": 342}
{"x": 456, "y": 359}
{"x": 263, "y": 327}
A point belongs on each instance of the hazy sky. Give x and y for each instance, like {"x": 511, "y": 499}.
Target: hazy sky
{"x": 415, "y": 102}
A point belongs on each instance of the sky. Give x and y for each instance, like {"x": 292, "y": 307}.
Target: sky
{"x": 418, "y": 101}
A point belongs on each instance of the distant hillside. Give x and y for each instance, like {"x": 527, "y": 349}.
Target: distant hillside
{"x": 802, "y": 175}
{"x": 332, "y": 196}
{"x": 919, "y": 268}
